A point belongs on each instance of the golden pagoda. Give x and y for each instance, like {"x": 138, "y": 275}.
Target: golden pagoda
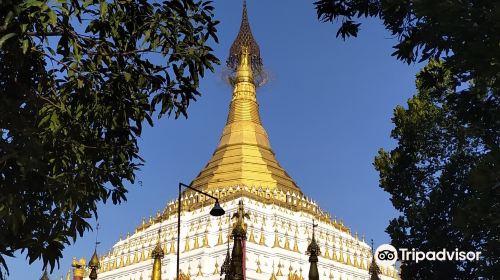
{"x": 243, "y": 172}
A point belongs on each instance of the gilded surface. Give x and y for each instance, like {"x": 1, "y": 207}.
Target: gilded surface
{"x": 244, "y": 155}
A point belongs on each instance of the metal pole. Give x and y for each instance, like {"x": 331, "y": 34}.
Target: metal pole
{"x": 178, "y": 229}
{"x": 179, "y": 219}
{"x": 198, "y": 191}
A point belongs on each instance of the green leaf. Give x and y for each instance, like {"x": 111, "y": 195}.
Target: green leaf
{"x": 25, "y": 46}
{"x": 7, "y": 19}
{"x": 127, "y": 76}
{"x": 45, "y": 119}
{"x": 5, "y": 38}
{"x": 87, "y": 3}
{"x": 54, "y": 121}
{"x": 24, "y": 26}
{"x": 103, "y": 7}
{"x": 52, "y": 17}
{"x": 33, "y": 3}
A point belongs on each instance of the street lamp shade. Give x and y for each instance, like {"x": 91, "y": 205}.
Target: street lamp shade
{"x": 217, "y": 210}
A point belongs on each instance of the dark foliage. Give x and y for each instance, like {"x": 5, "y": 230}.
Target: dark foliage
{"x": 77, "y": 81}
{"x": 444, "y": 174}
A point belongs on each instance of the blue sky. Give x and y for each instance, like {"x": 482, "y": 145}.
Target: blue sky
{"x": 327, "y": 110}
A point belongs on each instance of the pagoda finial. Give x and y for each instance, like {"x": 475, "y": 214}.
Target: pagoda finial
{"x": 237, "y": 267}
{"x": 226, "y": 265}
{"x": 94, "y": 260}
{"x": 245, "y": 39}
{"x": 313, "y": 251}
{"x": 157, "y": 255}
{"x": 373, "y": 269}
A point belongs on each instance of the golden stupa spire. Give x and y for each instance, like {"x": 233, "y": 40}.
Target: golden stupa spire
{"x": 244, "y": 39}
{"x": 157, "y": 255}
{"x": 94, "y": 266}
{"x": 244, "y": 156}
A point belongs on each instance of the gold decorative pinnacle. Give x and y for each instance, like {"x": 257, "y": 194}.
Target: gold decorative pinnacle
{"x": 349, "y": 259}
{"x": 127, "y": 261}
{"x": 341, "y": 256}
{"x": 196, "y": 243}
{"x": 216, "y": 270}
{"x": 279, "y": 273}
{"x": 186, "y": 245}
{"x": 135, "y": 259}
{"x": 327, "y": 252}
{"x": 287, "y": 242}
{"x": 150, "y": 253}
{"x": 356, "y": 261}
{"x": 205, "y": 240}
{"x": 296, "y": 244}
{"x": 331, "y": 275}
{"x": 252, "y": 236}
{"x": 262, "y": 240}
{"x": 199, "y": 274}
{"x": 220, "y": 240}
{"x": 276, "y": 241}
{"x": 165, "y": 247}
{"x": 273, "y": 276}
{"x": 172, "y": 248}
{"x": 259, "y": 270}
{"x": 244, "y": 39}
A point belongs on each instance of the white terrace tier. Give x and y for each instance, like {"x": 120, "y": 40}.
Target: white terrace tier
{"x": 292, "y": 200}
{"x": 277, "y": 240}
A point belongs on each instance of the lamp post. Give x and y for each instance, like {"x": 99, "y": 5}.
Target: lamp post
{"x": 216, "y": 211}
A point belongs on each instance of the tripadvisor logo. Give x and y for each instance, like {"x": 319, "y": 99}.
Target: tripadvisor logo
{"x": 387, "y": 255}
